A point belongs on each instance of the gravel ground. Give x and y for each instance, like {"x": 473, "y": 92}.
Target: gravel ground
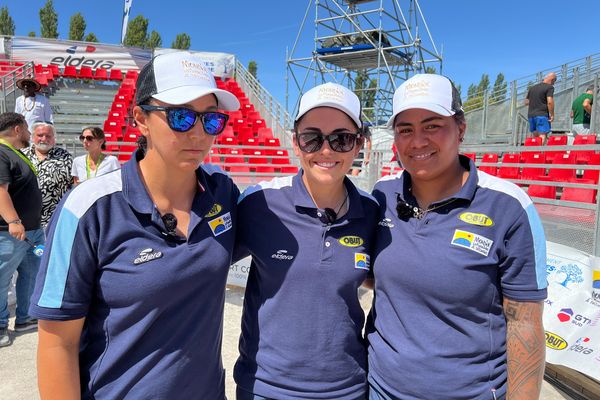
{"x": 17, "y": 362}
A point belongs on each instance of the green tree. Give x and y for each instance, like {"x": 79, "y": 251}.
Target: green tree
{"x": 90, "y": 37}
{"x": 77, "y": 27}
{"x": 253, "y": 68}
{"x": 48, "y": 21}
{"x": 137, "y": 32}
{"x": 430, "y": 70}
{"x": 459, "y": 89}
{"x": 154, "y": 40}
{"x": 484, "y": 84}
{"x": 31, "y": 34}
{"x": 7, "y": 25}
{"x": 500, "y": 88}
{"x": 471, "y": 91}
{"x": 182, "y": 42}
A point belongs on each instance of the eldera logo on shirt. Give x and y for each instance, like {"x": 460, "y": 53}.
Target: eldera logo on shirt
{"x": 147, "y": 255}
{"x": 282, "y": 255}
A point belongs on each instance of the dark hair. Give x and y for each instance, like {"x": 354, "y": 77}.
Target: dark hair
{"x": 459, "y": 117}
{"x": 97, "y": 133}
{"x": 9, "y": 120}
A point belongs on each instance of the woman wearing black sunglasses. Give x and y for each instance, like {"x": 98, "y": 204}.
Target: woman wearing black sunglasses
{"x": 310, "y": 237}
{"x": 459, "y": 266}
{"x": 130, "y": 293}
{"x": 95, "y": 162}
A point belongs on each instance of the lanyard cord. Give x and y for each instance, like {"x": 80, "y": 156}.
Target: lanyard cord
{"x": 87, "y": 165}
{"x": 23, "y": 157}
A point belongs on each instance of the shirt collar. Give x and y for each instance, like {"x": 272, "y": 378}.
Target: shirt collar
{"x": 466, "y": 192}
{"x": 303, "y": 199}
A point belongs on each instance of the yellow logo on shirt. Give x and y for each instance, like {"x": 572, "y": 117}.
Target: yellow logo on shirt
{"x": 351, "y": 241}
{"x": 215, "y": 210}
{"x": 476, "y": 219}
{"x": 362, "y": 261}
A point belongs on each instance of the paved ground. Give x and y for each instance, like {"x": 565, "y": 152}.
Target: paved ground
{"x": 17, "y": 362}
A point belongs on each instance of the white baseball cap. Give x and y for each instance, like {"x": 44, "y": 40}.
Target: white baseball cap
{"x": 331, "y": 95}
{"x": 179, "y": 78}
{"x": 427, "y": 91}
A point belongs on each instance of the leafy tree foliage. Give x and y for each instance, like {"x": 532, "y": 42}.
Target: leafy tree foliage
{"x": 48, "y": 21}
{"x": 137, "y": 32}
{"x": 154, "y": 40}
{"x": 500, "y": 88}
{"x": 77, "y": 27}
{"x": 253, "y": 68}
{"x": 7, "y": 25}
{"x": 182, "y": 42}
{"x": 90, "y": 37}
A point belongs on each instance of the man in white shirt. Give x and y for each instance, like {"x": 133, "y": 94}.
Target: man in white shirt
{"x": 33, "y": 106}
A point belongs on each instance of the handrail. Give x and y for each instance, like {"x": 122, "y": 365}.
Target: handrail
{"x": 8, "y": 83}
{"x": 275, "y": 115}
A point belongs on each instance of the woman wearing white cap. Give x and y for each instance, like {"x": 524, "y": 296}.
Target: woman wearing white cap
{"x": 310, "y": 237}
{"x": 130, "y": 293}
{"x": 459, "y": 266}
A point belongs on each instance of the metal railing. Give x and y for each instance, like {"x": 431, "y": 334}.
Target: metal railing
{"x": 495, "y": 116}
{"x": 8, "y": 85}
{"x": 275, "y": 115}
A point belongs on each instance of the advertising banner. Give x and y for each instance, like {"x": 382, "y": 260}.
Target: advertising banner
{"x": 220, "y": 64}
{"x": 78, "y": 54}
{"x": 572, "y": 310}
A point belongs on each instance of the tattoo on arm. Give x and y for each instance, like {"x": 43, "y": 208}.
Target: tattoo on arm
{"x": 525, "y": 348}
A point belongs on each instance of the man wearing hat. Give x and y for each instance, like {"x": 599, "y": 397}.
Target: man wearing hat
{"x": 32, "y": 105}
{"x": 581, "y": 111}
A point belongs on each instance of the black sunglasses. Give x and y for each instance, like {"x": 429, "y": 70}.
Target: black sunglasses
{"x": 311, "y": 142}
{"x": 183, "y": 119}
{"x": 88, "y": 138}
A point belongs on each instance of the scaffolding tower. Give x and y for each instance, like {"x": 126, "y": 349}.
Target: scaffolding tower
{"x": 369, "y": 46}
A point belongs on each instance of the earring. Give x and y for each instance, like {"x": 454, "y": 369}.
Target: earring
{"x": 461, "y": 139}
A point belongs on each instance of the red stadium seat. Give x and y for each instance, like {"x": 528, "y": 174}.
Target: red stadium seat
{"x": 532, "y": 173}
{"x": 509, "y": 172}
{"x": 54, "y": 68}
{"x": 132, "y": 74}
{"x": 581, "y": 195}
{"x": 70, "y": 72}
{"x": 592, "y": 174}
{"x": 487, "y": 158}
{"x": 101, "y": 74}
{"x": 235, "y": 157}
{"x": 86, "y": 73}
{"x": 583, "y": 156}
{"x": 265, "y": 134}
{"x": 555, "y": 141}
{"x": 289, "y": 170}
{"x": 244, "y": 132}
{"x": 562, "y": 174}
{"x": 543, "y": 191}
{"x": 115, "y": 75}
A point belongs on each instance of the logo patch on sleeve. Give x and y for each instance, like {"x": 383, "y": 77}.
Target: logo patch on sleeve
{"x": 472, "y": 241}
{"x": 362, "y": 261}
{"x": 215, "y": 210}
{"x": 221, "y": 224}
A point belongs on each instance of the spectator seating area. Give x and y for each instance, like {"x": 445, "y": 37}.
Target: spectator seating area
{"x": 46, "y": 75}
{"x": 557, "y": 166}
{"x": 7, "y": 66}
{"x": 246, "y": 145}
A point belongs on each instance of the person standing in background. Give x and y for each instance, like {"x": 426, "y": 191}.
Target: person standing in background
{"x": 95, "y": 162}
{"x": 33, "y": 105}
{"x": 540, "y": 99}
{"x": 581, "y": 112}
{"x": 53, "y": 165}
{"x": 20, "y": 209}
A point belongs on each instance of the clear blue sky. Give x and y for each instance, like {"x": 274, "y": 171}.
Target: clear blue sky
{"x": 515, "y": 37}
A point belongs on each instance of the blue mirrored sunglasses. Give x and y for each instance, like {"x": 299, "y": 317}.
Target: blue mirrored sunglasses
{"x": 183, "y": 119}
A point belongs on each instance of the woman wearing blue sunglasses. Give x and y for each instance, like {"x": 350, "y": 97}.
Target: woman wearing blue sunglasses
{"x": 310, "y": 237}
{"x": 130, "y": 293}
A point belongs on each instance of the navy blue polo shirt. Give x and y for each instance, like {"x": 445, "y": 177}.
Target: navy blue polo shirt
{"x": 153, "y": 303}
{"x": 302, "y": 321}
{"x": 438, "y": 330}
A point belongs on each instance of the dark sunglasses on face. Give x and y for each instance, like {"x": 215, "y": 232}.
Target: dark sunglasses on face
{"x": 183, "y": 119}
{"x": 311, "y": 142}
{"x": 88, "y": 138}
